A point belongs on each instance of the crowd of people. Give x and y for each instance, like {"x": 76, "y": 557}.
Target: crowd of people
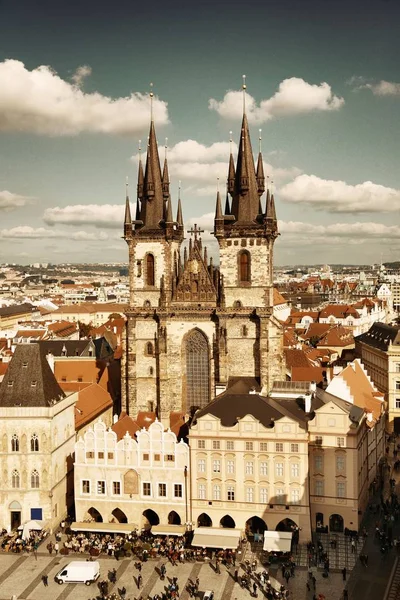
{"x": 16, "y": 542}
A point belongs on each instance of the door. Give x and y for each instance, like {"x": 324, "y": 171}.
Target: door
{"x": 15, "y": 519}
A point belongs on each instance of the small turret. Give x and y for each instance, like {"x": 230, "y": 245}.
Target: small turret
{"x": 260, "y": 170}
{"x": 128, "y": 218}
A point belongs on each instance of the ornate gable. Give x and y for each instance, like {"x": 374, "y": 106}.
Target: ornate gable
{"x": 197, "y": 280}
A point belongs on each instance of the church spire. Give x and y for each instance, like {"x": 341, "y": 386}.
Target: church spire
{"x": 153, "y": 201}
{"x": 165, "y": 175}
{"x": 231, "y": 170}
{"x": 140, "y": 173}
{"x": 245, "y": 205}
{"x": 218, "y": 207}
{"x": 260, "y": 169}
{"x": 128, "y": 218}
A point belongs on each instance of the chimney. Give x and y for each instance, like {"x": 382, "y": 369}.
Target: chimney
{"x": 307, "y": 399}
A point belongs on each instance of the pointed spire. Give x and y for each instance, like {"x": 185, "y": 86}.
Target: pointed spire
{"x": 245, "y": 197}
{"x": 260, "y": 169}
{"x": 179, "y": 217}
{"x": 170, "y": 218}
{"x": 231, "y": 169}
{"x": 165, "y": 175}
{"x": 153, "y": 203}
{"x": 218, "y": 207}
{"x": 128, "y": 218}
{"x": 227, "y": 207}
{"x": 268, "y": 199}
{"x": 140, "y": 173}
{"x": 138, "y": 210}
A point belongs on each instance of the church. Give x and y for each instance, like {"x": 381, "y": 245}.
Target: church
{"x": 193, "y": 327}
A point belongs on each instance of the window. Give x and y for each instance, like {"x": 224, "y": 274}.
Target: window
{"x": 34, "y": 383}
{"x": 85, "y": 486}
{"x": 34, "y": 443}
{"x": 397, "y": 386}
{"x": 201, "y": 444}
{"x": 216, "y": 466}
{"x": 294, "y": 448}
{"x": 146, "y": 489}
{"x": 216, "y": 492}
{"x": 318, "y": 440}
{"x": 101, "y": 487}
{"x": 100, "y": 455}
{"x": 89, "y": 454}
{"x": 249, "y": 494}
{"x": 397, "y": 402}
{"x": 245, "y": 331}
{"x": 177, "y": 490}
{"x": 15, "y": 479}
{"x": 149, "y": 349}
{"x": 202, "y": 491}
{"x": 318, "y": 463}
{"x": 170, "y": 458}
{"x": 280, "y": 495}
{"x": 162, "y": 490}
{"x": 263, "y": 468}
{"x": 319, "y": 487}
{"x": 263, "y": 446}
{"x": 264, "y": 495}
{"x": 230, "y": 493}
{"x": 341, "y": 490}
{"x": 216, "y": 445}
{"x": 279, "y": 469}
{"x": 146, "y": 456}
{"x": 150, "y": 270}
{"x": 157, "y": 457}
{"x": 249, "y": 446}
{"x": 279, "y": 447}
{"x": 15, "y": 443}
{"x": 230, "y": 467}
{"x": 340, "y": 442}
{"x": 116, "y": 488}
{"x": 295, "y": 496}
{"x": 244, "y": 267}
{"x": 110, "y": 455}
{"x": 197, "y": 359}
{"x": 249, "y": 467}
{"x": 340, "y": 463}
{"x": 34, "y": 479}
{"x": 201, "y": 465}
{"x": 397, "y": 367}
{"x": 230, "y": 445}
{"x": 295, "y": 470}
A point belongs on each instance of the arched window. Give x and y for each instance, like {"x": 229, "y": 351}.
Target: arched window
{"x": 237, "y": 304}
{"x": 15, "y": 479}
{"x": 15, "y": 443}
{"x": 34, "y": 479}
{"x": 34, "y": 443}
{"x": 244, "y": 267}
{"x": 197, "y": 370}
{"x": 149, "y": 349}
{"x": 150, "y": 270}
{"x": 245, "y": 331}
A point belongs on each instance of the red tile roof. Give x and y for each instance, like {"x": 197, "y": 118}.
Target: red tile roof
{"x": 92, "y": 402}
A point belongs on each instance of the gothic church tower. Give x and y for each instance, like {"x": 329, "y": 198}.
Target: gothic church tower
{"x": 192, "y": 327}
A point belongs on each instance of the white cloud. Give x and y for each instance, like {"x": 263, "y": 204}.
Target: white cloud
{"x": 339, "y": 196}
{"x": 199, "y": 166}
{"x": 40, "y": 102}
{"x": 357, "y": 231}
{"x": 294, "y": 96}
{"x": 378, "y": 88}
{"x": 10, "y": 201}
{"x": 99, "y": 215}
{"x": 40, "y": 233}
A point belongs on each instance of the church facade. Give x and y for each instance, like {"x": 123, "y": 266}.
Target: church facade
{"x": 192, "y": 326}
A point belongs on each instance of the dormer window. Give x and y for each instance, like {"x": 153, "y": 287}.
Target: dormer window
{"x": 24, "y": 364}
{"x": 33, "y": 383}
{"x": 10, "y": 383}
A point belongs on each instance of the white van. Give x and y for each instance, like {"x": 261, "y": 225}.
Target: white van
{"x": 79, "y": 571}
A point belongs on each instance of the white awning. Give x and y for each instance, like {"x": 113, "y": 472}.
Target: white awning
{"x": 216, "y": 537}
{"x": 277, "y": 541}
{"x": 32, "y": 525}
{"x": 168, "y": 529}
{"x": 104, "y": 527}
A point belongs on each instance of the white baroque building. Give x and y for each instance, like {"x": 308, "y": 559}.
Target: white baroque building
{"x": 131, "y": 480}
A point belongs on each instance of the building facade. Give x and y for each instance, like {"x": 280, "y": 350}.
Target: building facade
{"x": 191, "y": 326}
{"x": 139, "y": 481}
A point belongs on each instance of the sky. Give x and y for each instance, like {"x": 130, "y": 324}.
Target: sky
{"x": 323, "y": 86}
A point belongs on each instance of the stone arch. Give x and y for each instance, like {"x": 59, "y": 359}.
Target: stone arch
{"x": 149, "y": 349}
{"x": 286, "y": 525}
{"x": 150, "y": 270}
{"x": 227, "y": 522}
{"x": 255, "y": 525}
{"x": 336, "y": 523}
{"x": 95, "y": 515}
{"x": 174, "y": 518}
{"x": 204, "y": 520}
{"x": 244, "y": 266}
{"x": 131, "y": 482}
{"x": 197, "y": 365}
{"x": 119, "y": 515}
{"x": 151, "y": 517}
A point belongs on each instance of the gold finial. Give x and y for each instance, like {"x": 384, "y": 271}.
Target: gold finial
{"x": 140, "y": 150}
{"x": 272, "y": 187}
{"x": 244, "y": 93}
{"x": 166, "y": 148}
{"x": 151, "y": 100}
{"x": 259, "y": 140}
{"x": 218, "y": 185}
{"x": 179, "y": 189}
{"x": 230, "y": 142}
{"x": 267, "y": 182}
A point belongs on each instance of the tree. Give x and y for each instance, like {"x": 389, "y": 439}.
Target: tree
{"x": 84, "y": 329}
{"x": 114, "y": 316}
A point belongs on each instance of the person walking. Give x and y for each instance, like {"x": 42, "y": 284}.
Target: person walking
{"x": 353, "y": 546}
{"x": 45, "y": 580}
{"x": 139, "y": 581}
{"x": 56, "y": 548}
{"x": 344, "y": 573}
